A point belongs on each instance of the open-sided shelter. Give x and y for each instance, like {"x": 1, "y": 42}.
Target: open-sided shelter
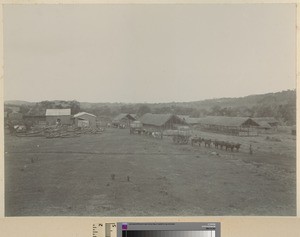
{"x": 241, "y": 126}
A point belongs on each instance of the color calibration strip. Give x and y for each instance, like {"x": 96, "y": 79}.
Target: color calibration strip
{"x": 168, "y": 233}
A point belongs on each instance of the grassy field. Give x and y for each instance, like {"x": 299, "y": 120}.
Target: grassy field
{"x": 117, "y": 174}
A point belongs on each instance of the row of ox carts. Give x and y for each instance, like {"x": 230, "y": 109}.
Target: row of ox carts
{"x": 218, "y": 144}
{"x": 183, "y": 135}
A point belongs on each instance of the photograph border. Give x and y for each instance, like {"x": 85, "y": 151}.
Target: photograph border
{"x": 82, "y": 226}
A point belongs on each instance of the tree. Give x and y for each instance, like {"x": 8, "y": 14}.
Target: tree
{"x": 127, "y": 109}
{"x": 143, "y": 109}
{"x": 163, "y": 110}
{"x": 75, "y": 107}
{"x": 216, "y": 110}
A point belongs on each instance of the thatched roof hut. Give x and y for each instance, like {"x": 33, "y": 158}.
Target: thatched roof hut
{"x": 269, "y": 120}
{"x": 161, "y": 121}
{"x": 123, "y": 119}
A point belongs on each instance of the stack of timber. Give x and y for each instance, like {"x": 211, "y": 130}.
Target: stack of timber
{"x": 59, "y": 131}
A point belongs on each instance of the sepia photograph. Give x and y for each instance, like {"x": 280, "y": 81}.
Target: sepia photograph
{"x": 150, "y": 109}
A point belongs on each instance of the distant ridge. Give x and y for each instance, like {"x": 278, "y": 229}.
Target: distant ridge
{"x": 18, "y": 102}
{"x": 282, "y": 97}
{"x": 280, "y": 105}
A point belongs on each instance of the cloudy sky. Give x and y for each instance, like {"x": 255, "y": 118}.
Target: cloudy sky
{"x": 147, "y": 53}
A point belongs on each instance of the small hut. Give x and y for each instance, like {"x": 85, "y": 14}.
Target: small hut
{"x": 123, "y": 120}
{"x": 271, "y": 121}
{"x": 84, "y": 119}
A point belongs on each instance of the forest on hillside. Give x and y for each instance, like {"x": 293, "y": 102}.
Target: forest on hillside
{"x": 281, "y": 105}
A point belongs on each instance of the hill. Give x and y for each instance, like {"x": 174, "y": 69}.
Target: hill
{"x": 281, "y": 105}
{"x": 18, "y": 102}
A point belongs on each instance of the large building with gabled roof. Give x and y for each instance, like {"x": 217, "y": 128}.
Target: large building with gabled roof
{"x": 241, "y": 126}
{"x": 161, "y": 121}
{"x": 62, "y": 116}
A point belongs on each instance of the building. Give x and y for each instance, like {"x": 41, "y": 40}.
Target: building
{"x": 134, "y": 116}
{"x": 35, "y": 116}
{"x": 15, "y": 116}
{"x": 35, "y": 119}
{"x": 184, "y": 117}
{"x": 269, "y": 120}
{"x": 239, "y": 126}
{"x": 160, "y": 122}
{"x": 193, "y": 121}
{"x": 123, "y": 120}
{"x": 189, "y": 120}
{"x": 263, "y": 127}
{"x": 62, "y": 116}
{"x": 84, "y": 119}
{"x": 104, "y": 121}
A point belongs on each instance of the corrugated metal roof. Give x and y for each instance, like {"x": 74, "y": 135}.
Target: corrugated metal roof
{"x": 58, "y": 112}
{"x": 157, "y": 119}
{"x": 226, "y": 121}
{"x": 83, "y": 113}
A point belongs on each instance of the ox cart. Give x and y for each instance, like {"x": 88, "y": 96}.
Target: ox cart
{"x": 136, "y": 127}
{"x": 182, "y": 135}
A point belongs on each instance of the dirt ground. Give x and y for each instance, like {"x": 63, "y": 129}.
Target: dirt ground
{"x": 117, "y": 174}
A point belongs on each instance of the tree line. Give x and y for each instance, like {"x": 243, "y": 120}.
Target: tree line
{"x": 286, "y": 114}
{"x": 281, "y": 106}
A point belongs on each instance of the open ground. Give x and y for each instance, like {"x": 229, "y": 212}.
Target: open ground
{"x": 117, "y": 174}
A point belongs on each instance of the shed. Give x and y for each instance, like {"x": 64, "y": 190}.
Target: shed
{"x": 35, "y": 116}
{"x": 84, "y": 119}
{"x": 269, "y": 120}
{"x": 123, "y": 120}
{"x": 264, "y": 127}
{"x": 241, "y": 126}
{"x": 62, "y": 116}
{"x": 161, "y": 121}
{"x": 134, "y": 116}
{"x": 15, "y": 116}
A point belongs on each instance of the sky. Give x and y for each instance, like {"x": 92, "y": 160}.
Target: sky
{"x": 147, "y": 53}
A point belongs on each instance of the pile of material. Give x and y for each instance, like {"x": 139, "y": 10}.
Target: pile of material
{"x": 59, "y": 131}
{"x": 89, "y": 130}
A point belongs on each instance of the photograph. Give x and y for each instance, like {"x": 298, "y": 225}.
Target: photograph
{"x": 130, "y": 110}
